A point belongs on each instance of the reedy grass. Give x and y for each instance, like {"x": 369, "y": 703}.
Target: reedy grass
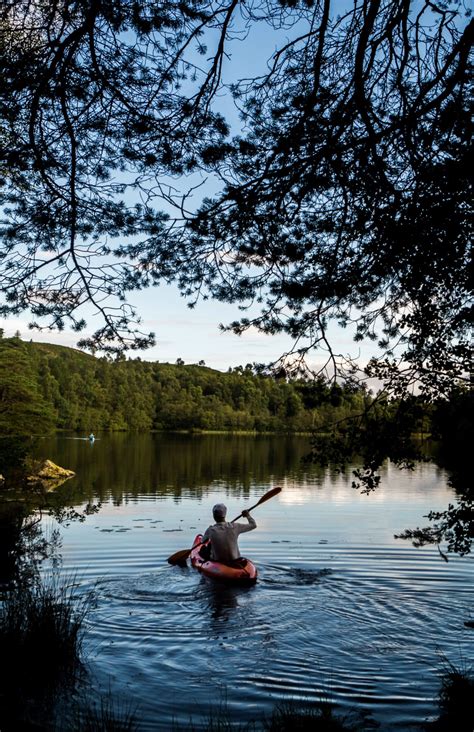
{"x": 106, "y": 715}
{"x": 41, "y": 628}
{"x": 320, "y": 717}
{"x": 286, "y": 717}
{"x": 41, "y": 636}
{"x": 455, "y": 699}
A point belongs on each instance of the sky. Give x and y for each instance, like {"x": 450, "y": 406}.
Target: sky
{"x": 192, "y": 335}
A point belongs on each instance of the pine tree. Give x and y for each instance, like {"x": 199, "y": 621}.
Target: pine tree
{"x": 23, "y": 411}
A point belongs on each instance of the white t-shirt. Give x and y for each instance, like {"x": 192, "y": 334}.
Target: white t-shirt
{"x": 224, "y": 536}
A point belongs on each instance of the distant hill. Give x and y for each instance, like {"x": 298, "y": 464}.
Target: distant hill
{"x": 88, "y": 393}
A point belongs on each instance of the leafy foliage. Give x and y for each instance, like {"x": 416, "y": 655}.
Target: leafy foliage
{"x": 91, "y": 109}
{"x": 345, "y": 197}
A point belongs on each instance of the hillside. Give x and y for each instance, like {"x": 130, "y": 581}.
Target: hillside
{"x": 88, "y": 393}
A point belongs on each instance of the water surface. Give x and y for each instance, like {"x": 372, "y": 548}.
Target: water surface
{"x": 341, "y": 610}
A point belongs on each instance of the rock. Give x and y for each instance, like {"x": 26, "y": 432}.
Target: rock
{"x": 49, "y": 475}
{"x": 51, "y": 470}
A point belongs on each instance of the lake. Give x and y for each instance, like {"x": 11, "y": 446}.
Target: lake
{"x": 342, "y": 610}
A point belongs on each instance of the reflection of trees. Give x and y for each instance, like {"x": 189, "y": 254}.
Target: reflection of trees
{"x": 23, "y": 545}
{"x": 119, "y": 466}
{"x": 454, "y": 525}
{"x": 168, "y": 465}
{"x": 452, "y": 426}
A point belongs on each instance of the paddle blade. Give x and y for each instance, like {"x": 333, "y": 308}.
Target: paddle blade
{"x": 267, "y": 496}
{"x": 179, "y": 557}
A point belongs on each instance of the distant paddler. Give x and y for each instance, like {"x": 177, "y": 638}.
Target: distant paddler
{"x": 91, "y": 437}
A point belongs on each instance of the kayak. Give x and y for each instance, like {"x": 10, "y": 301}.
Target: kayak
{"x": 240, "y": 572}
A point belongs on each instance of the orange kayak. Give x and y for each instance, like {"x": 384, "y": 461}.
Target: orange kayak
{"x": 240, "y": 572}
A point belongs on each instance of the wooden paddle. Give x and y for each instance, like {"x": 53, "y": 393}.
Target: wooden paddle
{"x": 183, "y": 554}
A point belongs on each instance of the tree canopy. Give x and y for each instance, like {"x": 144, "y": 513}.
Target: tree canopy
{"x": 343, "y": 193}
{"x": 24, "y": 410}
{"x": 72, "y": 390}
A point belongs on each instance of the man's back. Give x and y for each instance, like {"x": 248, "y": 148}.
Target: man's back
{"x": 224, "y": 539}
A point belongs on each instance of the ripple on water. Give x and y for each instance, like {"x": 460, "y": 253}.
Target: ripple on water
{"x": 340, "y": 608}
{"x": 291, "y": 576}
{"x": 360, "y": 625}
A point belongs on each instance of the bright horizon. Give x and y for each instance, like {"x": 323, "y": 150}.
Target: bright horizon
{"x": 193, "y": 335}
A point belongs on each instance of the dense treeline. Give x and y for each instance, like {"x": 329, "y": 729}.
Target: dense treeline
{"x": 80, "y": 392}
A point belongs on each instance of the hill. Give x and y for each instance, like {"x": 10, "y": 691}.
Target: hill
{"x": 88, "y": 393}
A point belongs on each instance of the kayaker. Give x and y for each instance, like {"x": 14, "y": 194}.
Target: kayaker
{"x": 224, "y": 535}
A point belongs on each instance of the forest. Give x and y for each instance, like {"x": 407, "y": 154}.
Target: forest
{"x": 47, "y": 387}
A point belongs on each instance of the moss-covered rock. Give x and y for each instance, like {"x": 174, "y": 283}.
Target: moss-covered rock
{"x": 48, "y": 475}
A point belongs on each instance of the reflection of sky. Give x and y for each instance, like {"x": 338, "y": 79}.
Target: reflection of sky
{"x": 304, "y": 512}
{"x": 335, "y": 512}
{"x": 396, "y": 486}
{"x": 337, "y": 597}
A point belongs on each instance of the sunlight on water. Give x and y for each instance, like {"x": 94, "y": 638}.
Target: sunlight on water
{"x": 342, "y": 610}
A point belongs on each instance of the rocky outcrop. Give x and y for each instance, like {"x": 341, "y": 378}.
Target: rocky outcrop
{"x": 48, "y": 475}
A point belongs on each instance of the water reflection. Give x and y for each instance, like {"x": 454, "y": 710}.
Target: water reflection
{"x": 222, "y": 600}
{"x": 340, "y": 605}
{"x": 177, "y": 465}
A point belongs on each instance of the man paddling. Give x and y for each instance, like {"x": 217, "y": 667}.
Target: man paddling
{"x": 224, "y": 535}
{"x": 183, "y": 554}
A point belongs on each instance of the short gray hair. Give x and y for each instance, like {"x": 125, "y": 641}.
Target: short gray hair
{"x": 219, "y": 511}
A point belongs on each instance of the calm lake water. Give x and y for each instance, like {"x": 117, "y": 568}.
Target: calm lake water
{"x": 341, "y": 609}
